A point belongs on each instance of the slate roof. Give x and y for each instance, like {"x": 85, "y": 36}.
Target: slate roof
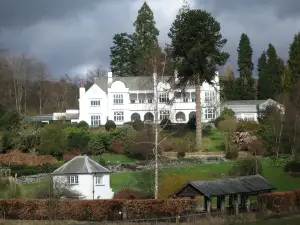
{"x": 245, "y": 184}
{"x": 80, "y": 165}
{"x": 245, "y": 102}
{"x": 44, "y": 117}
{"x": 133, "y": 83}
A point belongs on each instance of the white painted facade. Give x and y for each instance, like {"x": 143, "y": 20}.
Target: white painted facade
{"x": 124, "y": 99}
{"x": 82, "y": 176}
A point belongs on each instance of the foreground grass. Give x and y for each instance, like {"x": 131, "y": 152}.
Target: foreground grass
{"x": 293, "y": 220}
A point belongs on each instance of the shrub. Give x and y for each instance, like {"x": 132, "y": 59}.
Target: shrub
{"x": 102, "y": 161}
{"x": 232, "y": 153}
{"x": 141, "y": 147}
{"x": 138, "y": 125}
{"x": 246, "y": 167}
{"x": 130, "y": 193}
{"x": 21, "y": 170}
{"x": 180, "y": 155}
{"x": 9, "y": 188}
{"x": 247, "y": 126}
{"x": 83, "y": 125}
{"x": 292, "y": 166}
{"x": 225, "y": 114}
{"x": 166, "y": 124}
{"x": 278, "y": 201}
{"x": 96, "y": 145}
{"x": 77, "y": 138}
{"x": 18, "y": 158}
{"x": 53, "y": 141}
{"x": 191, "y": 124}
{"x": 118, "y": 146}
{"x": 70, "y": 155}
{"x": 110, "y": 125}
{"x": 243, "y": 140}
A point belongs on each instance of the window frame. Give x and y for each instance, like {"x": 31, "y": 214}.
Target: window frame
{"x": 163, "y": 98}
{"x": 98, "y": 119}
{"x": 209, "y": 96}
{"x": 97, "y": 183}
{"x": 118, "y": 99}
{"x": 95, "y": 103}
{"x": 164, "y": 114}
{"x": 73, "y": 180}
{"x": 213, "y": 113}
{"x": 117, "y": 117}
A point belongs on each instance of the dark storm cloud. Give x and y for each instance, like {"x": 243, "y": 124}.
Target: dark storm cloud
{"x": 74, "y": 35}
{"x": 20, "y": 13}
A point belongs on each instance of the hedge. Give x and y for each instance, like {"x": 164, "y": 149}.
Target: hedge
{"x": 92, "y": 210}
{"x": 278, "y": 201}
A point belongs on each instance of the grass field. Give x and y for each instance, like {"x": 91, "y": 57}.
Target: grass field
{"x": 275, "y": 175}
{"x": 113, "y": 158}
{"x": 293, "y": 220}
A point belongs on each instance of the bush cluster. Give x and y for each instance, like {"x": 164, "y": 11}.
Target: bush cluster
{"x": 246, "y": 167}
{"x": 93, "y": 210}
{"x": 130, "y": 193}
{"x": 292, "y": 166}
{"x": 280, "y": 201}
{"x": 22, "y": 170}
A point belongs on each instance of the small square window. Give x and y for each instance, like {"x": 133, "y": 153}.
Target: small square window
{"x": 99, "y": 180}
{"x": 73, "y": 179}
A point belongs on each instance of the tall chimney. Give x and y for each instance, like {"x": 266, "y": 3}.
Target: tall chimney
{"x": 176, "y": 75}
{"x": 81, "y": 90}
{"x": 109, "y": 75}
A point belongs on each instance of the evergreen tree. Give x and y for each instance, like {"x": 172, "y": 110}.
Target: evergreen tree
{"x": 275, "y": 70}
{"x": 294, "y": 59}
{"x": 123, "y": 56}
{"x": 245, "y": 65}
{"x": 145, "y": 38}
{"x": 245, "y": 83}
{"x": 197, "y": 41}
{"x": 264, "y": 89}
{"x": 286, "y": 82}
{"x": 133, "y": 55}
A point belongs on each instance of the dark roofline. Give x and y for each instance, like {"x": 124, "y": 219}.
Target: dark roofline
{"x": 207, "y": 195}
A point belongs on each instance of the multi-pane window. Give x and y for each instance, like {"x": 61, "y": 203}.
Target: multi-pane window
{"x": 119, "y": 116}
{"x": 73, "y": 179}
{"x": 95, "y": 102}
{"x": 164, "y": 114}
{"x": 210, "y": 96}
{"x": 99, "y": 180}
{"x": 210, "y": 114}
{"x": 118, "y": 99}
{"x": 193, "y": 96}
{"x": 95, "y": 120}
{"x": 163, "y": 98}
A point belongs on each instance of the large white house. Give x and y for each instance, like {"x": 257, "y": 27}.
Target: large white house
{"x": 124, "y": 99}
{"x": 84, "y": 176}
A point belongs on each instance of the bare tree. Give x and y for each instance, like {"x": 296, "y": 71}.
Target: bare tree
{"x": 41, "y": 76}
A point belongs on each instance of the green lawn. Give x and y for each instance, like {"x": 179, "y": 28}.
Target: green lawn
{"x": 293, "y": 220}
{"x": 113, "y": 158}
{"x": 274, "y": 175}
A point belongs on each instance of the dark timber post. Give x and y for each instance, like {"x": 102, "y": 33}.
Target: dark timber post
{"x": 223, "y": 207}
{"x": 236, "y": 204}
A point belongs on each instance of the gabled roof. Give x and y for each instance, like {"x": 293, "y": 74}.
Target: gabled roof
{"x": 229, "y": 186}
{"x": 245, "y": 102}
{"x": 80, "y": 165}
{"x": 133, "y": 83}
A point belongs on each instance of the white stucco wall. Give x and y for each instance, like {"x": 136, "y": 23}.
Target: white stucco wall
{"x": 86, "y": 186}
{"x": 107, "y": 108}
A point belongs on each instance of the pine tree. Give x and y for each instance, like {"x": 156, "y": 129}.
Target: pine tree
{"x": 134, "y": 54}
{"x": 275, "y": 70}
{"x": 245, "y": 65}
{"x": 145, "y": 38}
{"x": 286, "y": 82}
{"x": 123, "y": 56}
{"x": 264, "y": 89}
{"x": 245, "y": 83}
{"x": 294, "y": 59}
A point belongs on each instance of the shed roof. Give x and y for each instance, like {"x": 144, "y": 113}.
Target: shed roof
{"x": 80, "y": 165}
{"x": 228, "y": 186}
{"x": 245, "y": 102}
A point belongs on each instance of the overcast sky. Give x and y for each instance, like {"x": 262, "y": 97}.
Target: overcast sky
{"x": 72, "y": 36}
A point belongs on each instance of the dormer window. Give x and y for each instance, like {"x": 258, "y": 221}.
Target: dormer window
{"x": 118, "y": 99}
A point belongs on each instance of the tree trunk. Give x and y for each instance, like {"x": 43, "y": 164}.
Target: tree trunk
{"x": 156, "y": 137}
{"x": 198, "y": 118}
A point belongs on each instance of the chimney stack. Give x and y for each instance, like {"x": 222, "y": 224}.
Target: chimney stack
{"x": 109, "y": 75}
{"x": 81, "y": 90}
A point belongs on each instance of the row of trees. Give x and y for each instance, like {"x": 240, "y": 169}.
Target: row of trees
{"x": 275, "y": 77}
{"x": 28, "y": 87}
